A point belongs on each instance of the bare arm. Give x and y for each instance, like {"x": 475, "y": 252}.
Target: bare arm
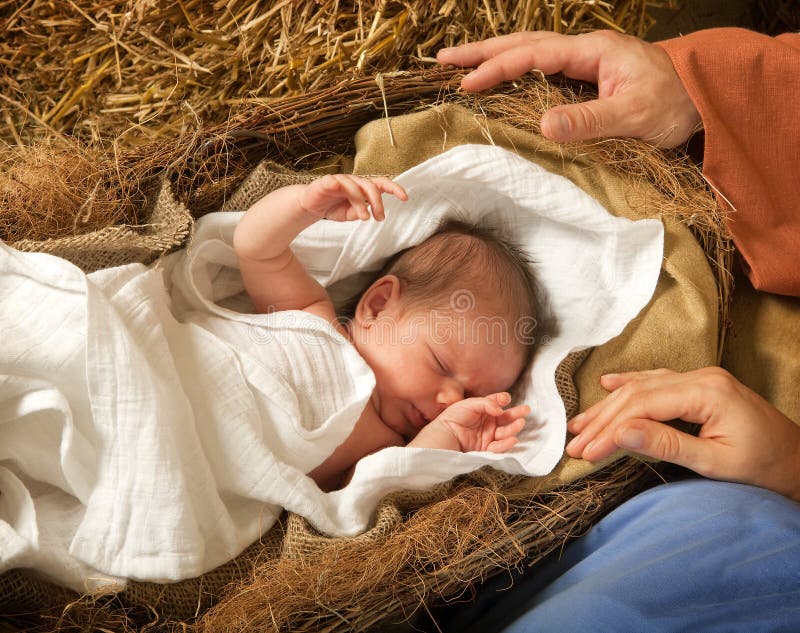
{"x": 273, "y": 277}
{"x": 369, "y": 435}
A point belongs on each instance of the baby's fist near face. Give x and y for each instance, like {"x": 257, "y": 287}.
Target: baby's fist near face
{"x": 482, "y": 424}
{"x": 345, "y": 197}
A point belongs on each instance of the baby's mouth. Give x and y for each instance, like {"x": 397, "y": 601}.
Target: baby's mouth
{"x": 418, "y": 419}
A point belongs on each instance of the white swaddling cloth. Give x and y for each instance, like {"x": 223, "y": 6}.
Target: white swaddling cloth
{"x": 151, "y": 429}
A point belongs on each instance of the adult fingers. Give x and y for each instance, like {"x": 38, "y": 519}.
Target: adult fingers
{"x": 610, "y": 406}
{"x": 657, "y": 398}
{"x": 658, "y": 441}
{"x": 575, "y": 56}
{"x": 665, "y": 443}
{"x": 598, "y": 118}
{"x": 474, "y": 53}
{"x": 610, "y": 382}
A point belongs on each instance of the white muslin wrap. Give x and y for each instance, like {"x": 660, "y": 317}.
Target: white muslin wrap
{"x": 151, "y": 428}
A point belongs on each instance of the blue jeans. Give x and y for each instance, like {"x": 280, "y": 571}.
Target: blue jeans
{"x": 696, "y": 555}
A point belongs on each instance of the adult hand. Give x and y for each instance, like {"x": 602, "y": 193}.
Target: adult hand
{"x": 742, "y": 437}
{"x": 640, "y": 94}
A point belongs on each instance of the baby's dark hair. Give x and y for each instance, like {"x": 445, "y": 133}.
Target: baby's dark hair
{"x": 462, "y": 261}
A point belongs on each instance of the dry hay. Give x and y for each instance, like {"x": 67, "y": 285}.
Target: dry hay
{"x": 144, "y": 69}
{"x": 441, "y": 551}
{"x": 61, "y": 188}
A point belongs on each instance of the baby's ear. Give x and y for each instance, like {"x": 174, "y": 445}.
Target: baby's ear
{"x": 382, "y": 297}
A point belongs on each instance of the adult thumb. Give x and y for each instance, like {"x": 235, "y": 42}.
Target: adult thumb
{"x": 587, "y": 120}
{"x": 665, "y": 443}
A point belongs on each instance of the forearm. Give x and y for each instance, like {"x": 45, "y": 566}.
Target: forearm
{"x": 436, "y": 435}
{"x": 268, "y": 228}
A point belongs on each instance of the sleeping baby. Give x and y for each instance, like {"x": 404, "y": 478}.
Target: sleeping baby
{"x": 438, "y": 327}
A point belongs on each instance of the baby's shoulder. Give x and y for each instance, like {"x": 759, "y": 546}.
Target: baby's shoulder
{"x": 325, "y": 310}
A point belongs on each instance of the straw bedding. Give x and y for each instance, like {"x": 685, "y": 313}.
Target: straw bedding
{"x": 142, "y": 196}
{"x": 148, "y": 69}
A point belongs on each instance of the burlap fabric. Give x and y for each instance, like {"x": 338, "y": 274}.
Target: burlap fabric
{"x": 763, "y": 349}
{"x": 168, "y": 227}
{"x": 677, "y": 329}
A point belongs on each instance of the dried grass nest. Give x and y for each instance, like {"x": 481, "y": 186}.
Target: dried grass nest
{"x": 65, "y": 187}
{"x": 139, "y": 70}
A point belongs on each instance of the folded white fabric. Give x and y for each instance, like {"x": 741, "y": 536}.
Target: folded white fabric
{"x": 151, "y": 428}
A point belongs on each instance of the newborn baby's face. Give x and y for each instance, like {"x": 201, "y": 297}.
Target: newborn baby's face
{"x": 426, "y": 360}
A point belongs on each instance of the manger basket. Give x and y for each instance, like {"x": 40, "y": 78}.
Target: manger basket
{"x": 424, "y": 547}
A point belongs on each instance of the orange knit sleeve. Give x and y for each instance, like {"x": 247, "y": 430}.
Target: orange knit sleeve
{"x": 746, "y": 87}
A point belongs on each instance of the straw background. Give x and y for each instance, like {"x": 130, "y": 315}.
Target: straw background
{"x": 138, "y": 70}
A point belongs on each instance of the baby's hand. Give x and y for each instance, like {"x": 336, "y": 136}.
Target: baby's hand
{"x": 481, "y": 424}
{"x": 344, "y": 197}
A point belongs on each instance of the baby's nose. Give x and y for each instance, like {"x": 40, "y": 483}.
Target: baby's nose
{"x": 449, "y": 393}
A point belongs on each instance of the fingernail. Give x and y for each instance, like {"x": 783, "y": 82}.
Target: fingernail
{"x": 609, "y": 376}
{"x": 571, "y": 443}
{"x": 631, "y": 438}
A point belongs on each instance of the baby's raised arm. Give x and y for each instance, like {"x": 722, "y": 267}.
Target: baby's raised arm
{"x": 273, "y": 277}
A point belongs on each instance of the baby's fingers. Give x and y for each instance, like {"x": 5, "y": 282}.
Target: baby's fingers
{"x": 502, "y": 398}
{"x": 387, "y": 185}
{"x": 372, "y": 188}
{"x": 502, "y": 446}
{"x": 509, "y": 415}
{"x": 372, "y": 196}
{"x": 355, "y": 197}
{"x": 490, "y": 407}
{"x": 512, "y": 429}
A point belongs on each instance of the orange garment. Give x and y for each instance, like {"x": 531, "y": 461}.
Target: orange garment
{"x": 746, "y": 87}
